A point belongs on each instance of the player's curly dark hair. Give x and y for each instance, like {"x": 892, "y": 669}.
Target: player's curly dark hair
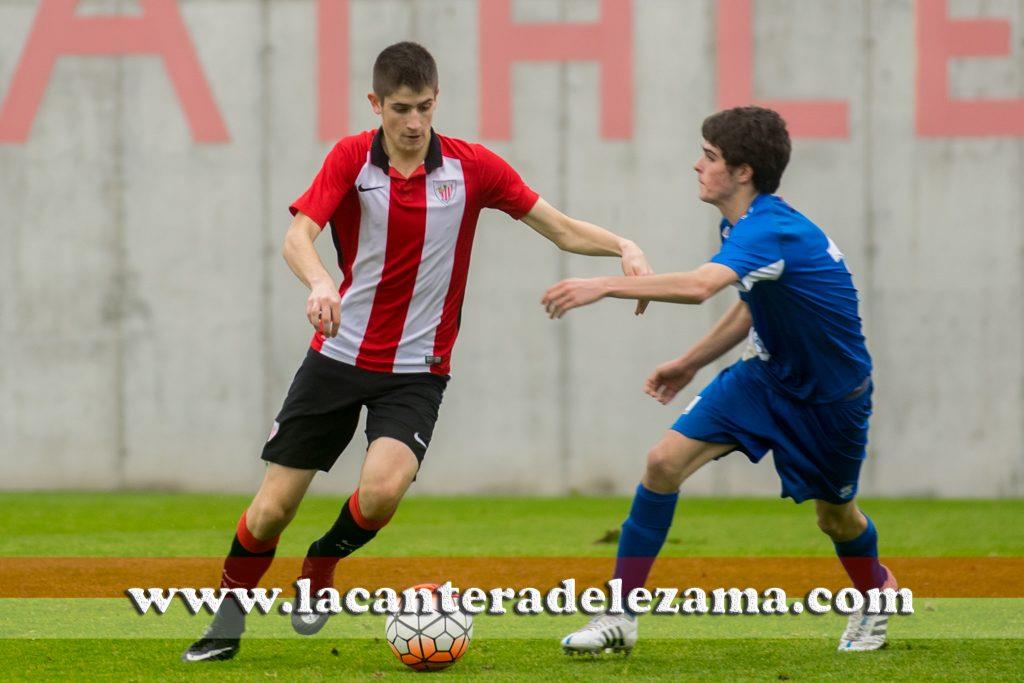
{"x": 404, "y": 63}
{"x": 754, "y": 136}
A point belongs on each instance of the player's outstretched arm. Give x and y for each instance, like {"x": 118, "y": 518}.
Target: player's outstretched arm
{"x": 323, "y": 307}
{"x": 669, "y": 378}
{"x": 581, "y": 237}
{"x": 692, "y": 287}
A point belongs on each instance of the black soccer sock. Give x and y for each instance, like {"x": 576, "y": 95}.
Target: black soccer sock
{"x": 248, "y": 560}
{"x": 350, "y": 532}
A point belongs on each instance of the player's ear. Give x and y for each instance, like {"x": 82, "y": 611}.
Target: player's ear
{"x": 375, "y": 103}
{"x": 744, "y": 173}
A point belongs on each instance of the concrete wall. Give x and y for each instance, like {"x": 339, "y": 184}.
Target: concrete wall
{"x": 149, "y": 328}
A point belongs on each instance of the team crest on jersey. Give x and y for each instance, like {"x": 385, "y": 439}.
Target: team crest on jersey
{"x": 445, "y": 190}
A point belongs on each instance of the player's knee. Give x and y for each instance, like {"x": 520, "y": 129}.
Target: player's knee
{"x": 378, "y": 499}
{"x": 829, "y": 525}
{"x": 840, "y": 523}
{"x": 267, "y": 518}
{"x": 836, "y": 527}
{"x": 663, "y": 468}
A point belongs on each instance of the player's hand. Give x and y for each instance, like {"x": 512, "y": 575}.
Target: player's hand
{"x": 323, "y": 308}
{"x": 570, "y": 294}
{"x": 668, "y": 379}
{"x": 635, "y": 263}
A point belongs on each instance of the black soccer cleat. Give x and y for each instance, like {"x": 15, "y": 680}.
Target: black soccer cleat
{"x": 221, "y": 639}
{"x": 320, "y": 572}
{"x": 211, "y": 650}
{"x": 309, "y": 624}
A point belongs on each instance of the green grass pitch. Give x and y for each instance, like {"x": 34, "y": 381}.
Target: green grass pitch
{"x": 102, "y": 638}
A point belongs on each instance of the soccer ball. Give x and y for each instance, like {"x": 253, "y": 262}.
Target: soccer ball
{"x": 429, "y": 640}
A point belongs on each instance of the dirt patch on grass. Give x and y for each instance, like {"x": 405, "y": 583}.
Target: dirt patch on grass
{"x": 105, "y": 577}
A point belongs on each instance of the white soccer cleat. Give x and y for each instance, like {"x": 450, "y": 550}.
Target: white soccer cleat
{"x": 604, "y": 633}
{"x": 866, "y": 632}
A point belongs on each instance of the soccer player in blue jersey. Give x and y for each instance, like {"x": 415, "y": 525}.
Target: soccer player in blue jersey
{"x": 804, "y": 393}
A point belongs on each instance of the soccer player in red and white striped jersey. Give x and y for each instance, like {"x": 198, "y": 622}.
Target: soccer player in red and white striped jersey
{"x": 401, "y": 204}
{"x": 403, "y": 245}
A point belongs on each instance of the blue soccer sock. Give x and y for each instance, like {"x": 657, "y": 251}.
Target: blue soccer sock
{"x": 643, "y": 534}
{"x": 860, "y": 559}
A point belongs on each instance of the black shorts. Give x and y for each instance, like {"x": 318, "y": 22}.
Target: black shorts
{"x": 321, "y": 411}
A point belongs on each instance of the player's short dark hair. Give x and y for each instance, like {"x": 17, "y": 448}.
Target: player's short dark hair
{"x": 404, "y": 63}
{"x": 754, "y": 136}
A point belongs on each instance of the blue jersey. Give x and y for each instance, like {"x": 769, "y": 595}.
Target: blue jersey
{"x": 802, "y": 301}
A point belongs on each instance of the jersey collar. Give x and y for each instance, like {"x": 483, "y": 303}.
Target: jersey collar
{"x": 380, "y": 159}
{"x": 754, "y": 205}
{"x": 759, "y": 200}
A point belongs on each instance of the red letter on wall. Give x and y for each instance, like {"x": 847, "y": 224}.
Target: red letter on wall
{"x": 735, "y": 76}
{"x": 159, "y": 30}
{"x": 332, "y": 68}
{"x": 940, "y": 38}
{"x": 608, "y": 42}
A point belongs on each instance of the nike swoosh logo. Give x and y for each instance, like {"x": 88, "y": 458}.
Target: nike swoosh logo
{"x": 416, "y": 436}
{"x": 205, "y": 655}
{"x": 367, "y": 189}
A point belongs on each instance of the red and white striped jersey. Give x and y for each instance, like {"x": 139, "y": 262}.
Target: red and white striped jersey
{"x": 404, "y": 245}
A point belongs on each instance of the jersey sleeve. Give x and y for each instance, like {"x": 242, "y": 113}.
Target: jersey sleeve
{"x": 753, "y": 251}
{"x": 332, "y": 183}
{"x": 501, "y": 187}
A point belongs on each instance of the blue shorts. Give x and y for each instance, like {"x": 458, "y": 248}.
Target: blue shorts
{"x": 818, "y": 448}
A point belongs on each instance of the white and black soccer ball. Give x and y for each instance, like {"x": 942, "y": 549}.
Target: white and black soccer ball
{"x": 429, "y": 640}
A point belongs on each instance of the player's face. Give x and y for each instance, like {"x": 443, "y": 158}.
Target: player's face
{"x": 717, "y": 182}
{"x": 406, "y": 116}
